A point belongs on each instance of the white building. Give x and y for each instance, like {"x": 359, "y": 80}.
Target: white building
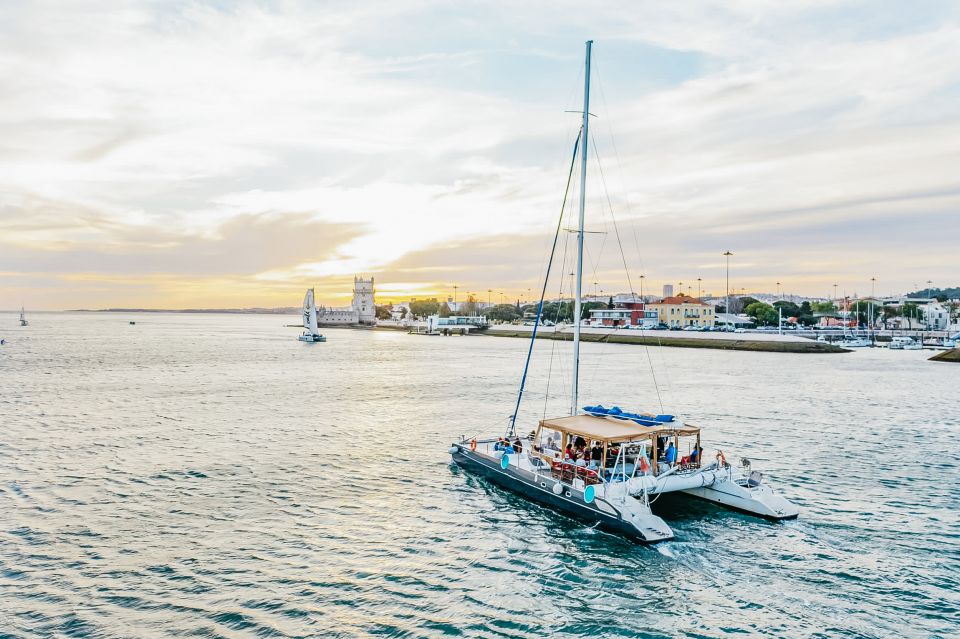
{"x": 934, "y": 315}
{"x": 400, "y": 311}
{"x": 361, "y": 312}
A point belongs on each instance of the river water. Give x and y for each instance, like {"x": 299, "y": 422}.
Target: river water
{"x": 210, "y": 476}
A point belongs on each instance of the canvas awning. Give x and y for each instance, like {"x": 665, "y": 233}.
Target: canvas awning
{"x": 610, "y": 429}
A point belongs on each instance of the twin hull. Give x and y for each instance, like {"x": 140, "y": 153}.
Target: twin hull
{"x": 616, "y": 509}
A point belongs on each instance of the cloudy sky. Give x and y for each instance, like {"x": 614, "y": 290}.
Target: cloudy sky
{"x": 191, "y": 154}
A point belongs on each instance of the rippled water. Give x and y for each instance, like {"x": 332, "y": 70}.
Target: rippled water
{"x": 211, "y": 476}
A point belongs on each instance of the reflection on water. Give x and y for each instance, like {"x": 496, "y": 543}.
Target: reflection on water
{"x": 211, "y": 476}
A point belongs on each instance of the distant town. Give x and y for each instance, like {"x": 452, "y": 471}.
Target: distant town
{"x": 931, "y": 309}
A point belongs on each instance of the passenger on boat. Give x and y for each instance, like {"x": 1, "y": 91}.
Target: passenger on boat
{"x": 596, "y": 453}
{"x": 518, "y": 445}
{"x": 693, "y": 457}
{"x": 670, "y": 455}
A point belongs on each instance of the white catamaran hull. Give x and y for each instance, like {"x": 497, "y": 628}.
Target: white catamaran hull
{"x": 615, "y": 513}
{"x": 725, "y": 486}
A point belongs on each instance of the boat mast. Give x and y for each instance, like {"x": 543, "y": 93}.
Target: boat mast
{"x": 583, "y": 200}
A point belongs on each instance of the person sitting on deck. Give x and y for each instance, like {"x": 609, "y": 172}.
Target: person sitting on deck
{"x": 694, "y": 456}
{"x": 670, "y": 456}
{"x": 518, "y": 445}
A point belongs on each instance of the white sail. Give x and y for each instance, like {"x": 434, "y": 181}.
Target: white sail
{"x": 310, "y": 314}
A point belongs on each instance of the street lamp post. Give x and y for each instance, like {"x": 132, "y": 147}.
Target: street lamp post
{"x": 727, "y": 255}
{"x": 698, "y": 287}
{"x": 489, "y": 291}
{"x": 455, "y": 287}
{"x": 641, "y": 286}
{"x": 778, "y": 290}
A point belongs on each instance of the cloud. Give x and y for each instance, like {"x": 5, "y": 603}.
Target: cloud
{"x": 279, "y": 144}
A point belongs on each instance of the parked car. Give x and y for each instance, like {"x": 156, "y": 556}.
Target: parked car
{"x": 739, "y": 330}
{"x": 691, "y": 328}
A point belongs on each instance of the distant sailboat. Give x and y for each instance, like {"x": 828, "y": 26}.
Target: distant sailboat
{"x": 23, "y": 319}
{"x": 311, "y": 332}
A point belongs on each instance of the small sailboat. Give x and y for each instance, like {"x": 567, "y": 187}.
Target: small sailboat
{"x": 854, "y": 342}
{"x": 311, "y": 331}
{"x": 604, "y": 465}
{"x": 23, "y": 318}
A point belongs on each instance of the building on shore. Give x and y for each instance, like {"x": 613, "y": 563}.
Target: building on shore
{"x": 681, "y": 311}
{"x": 626, "y": 313}
{"x": 361, "y": 312}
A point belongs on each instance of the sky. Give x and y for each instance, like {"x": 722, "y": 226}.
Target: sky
{"x": 231, "y": 154}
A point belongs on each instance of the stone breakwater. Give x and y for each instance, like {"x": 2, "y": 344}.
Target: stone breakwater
{"x": 683, "y": 339}
{"x": 947, "y": 356}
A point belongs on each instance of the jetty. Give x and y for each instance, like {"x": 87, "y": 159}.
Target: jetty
{"x": 772, "y": 343}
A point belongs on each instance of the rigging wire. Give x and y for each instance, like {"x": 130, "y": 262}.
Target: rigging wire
{"x": 556, "y": 321}
{"x": 543, "y": 292}
{"x": 616, "y": 152}
{"x": 623, "y": 257}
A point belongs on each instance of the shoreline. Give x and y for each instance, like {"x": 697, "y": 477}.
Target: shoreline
{"x": 719, "y": 343}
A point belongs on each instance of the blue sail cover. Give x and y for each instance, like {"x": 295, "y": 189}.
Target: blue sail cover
{"x": 619, "y": 413}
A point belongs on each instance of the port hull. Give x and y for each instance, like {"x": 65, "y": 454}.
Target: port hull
{"x": 525, "y": 484}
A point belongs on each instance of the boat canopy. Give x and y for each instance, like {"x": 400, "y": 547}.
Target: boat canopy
{"x": 610, "y": 429}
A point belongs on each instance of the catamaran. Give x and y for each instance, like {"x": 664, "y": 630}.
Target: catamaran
{"x": 23, "y": 318}
{"x": 311, "y": 332}
{"x": 604, "y": 465}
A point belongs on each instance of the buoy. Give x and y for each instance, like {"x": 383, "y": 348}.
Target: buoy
{"x": 589, "y": 493}
{"x": 557, "y": 488}
{"x": 504, "y": 461}
{"x": 454, "y": 449}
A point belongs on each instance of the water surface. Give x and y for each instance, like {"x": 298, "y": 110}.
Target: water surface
{"x": 210, "y": 476}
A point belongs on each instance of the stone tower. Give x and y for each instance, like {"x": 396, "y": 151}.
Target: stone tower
{"x": 363, "y": 300}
